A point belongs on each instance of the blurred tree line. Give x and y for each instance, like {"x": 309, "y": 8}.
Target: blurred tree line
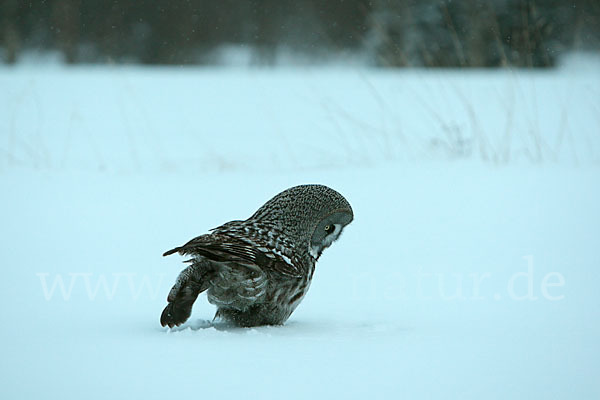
{"x": 434, "y": 33}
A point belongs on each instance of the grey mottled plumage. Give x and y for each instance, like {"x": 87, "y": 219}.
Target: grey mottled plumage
{"x": 258, "y": 270}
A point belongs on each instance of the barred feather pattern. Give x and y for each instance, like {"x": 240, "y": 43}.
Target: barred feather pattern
{"x": 257, "y": 271}
{"x": 277, "y": 283}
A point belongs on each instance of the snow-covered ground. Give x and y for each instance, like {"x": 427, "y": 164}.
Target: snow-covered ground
{"x": 471, "y": 270}
{"x": 186, "y": 119}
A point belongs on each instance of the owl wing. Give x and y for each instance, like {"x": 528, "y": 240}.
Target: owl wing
{"x": 225, "y": 248}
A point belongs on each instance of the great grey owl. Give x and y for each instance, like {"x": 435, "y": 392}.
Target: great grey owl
{"x": 257, "y": 271}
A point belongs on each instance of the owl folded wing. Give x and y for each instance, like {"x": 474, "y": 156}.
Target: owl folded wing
{"x": 224, "y": 248}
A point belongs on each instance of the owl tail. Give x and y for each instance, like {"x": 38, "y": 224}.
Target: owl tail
{"x": 172, "y": 251}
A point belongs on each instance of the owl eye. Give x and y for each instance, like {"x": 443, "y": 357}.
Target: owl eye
{"x": 329, "y": 229}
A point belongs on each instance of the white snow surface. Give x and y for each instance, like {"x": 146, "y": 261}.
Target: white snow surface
{"x": 471, "y": 270}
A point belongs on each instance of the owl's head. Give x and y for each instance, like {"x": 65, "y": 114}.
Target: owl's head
{"x": 310, "y": 215}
